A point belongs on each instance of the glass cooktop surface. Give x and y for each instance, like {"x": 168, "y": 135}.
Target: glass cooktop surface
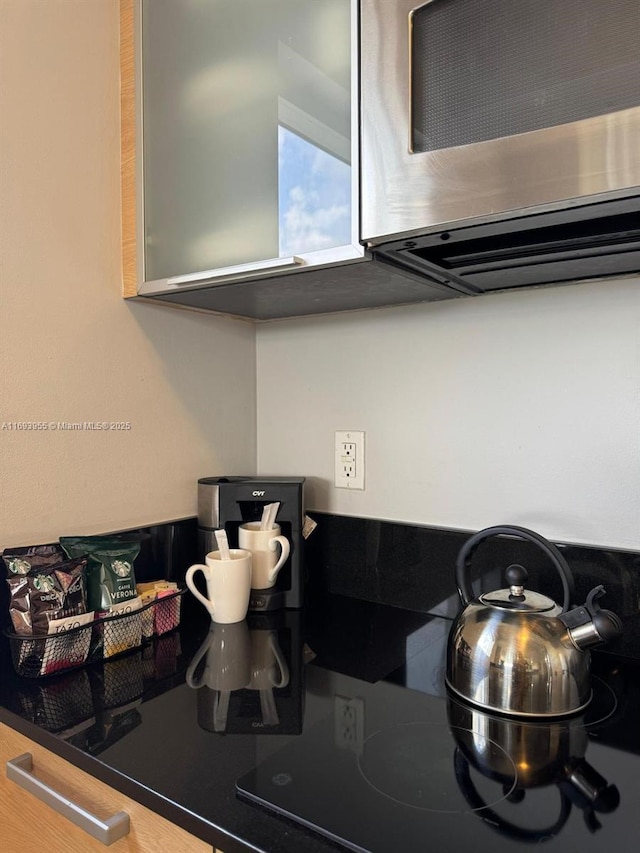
{"x": 391, "y": 767}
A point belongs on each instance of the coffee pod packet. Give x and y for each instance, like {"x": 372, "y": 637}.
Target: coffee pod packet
{"x": 45, "y": 593}
{"x": 20, "y": 561}
{"x": 110, "y": 574}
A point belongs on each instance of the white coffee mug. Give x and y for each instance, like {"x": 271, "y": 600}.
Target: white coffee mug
{"x": 263, "y": 544}
{"x": 228, "y": 585}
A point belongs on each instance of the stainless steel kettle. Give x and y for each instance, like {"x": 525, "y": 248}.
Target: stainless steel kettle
{"x": 518, "y": 652}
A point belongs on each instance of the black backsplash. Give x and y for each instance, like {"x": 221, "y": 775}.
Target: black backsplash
{"x": 413, "y": 567}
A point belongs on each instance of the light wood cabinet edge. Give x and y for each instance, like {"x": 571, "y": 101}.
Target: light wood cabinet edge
{"x": 150, "y": 833}
{"x": 128, "y": 148}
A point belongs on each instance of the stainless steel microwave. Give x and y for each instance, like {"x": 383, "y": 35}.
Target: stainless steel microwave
{"x": 501, "y": 139}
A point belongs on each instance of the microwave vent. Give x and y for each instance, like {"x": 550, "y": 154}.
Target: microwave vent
{"x": 560, "y": 246}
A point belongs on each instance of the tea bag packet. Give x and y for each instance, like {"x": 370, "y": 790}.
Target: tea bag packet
{"x": 69, "y": 643}
{"x": 165, "y": 615}
{"x": 122, "y": 633}
{"x": 167, "y": 612}
{"x": 110, "y": 573}
{"x": 147, "y": 599}
{"x": 155, "y": 586}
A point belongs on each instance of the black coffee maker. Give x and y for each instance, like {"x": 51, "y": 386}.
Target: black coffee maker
{"x": 229, "y": 502}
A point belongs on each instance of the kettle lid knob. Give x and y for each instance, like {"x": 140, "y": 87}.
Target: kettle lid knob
{"x": 516, "y": 576}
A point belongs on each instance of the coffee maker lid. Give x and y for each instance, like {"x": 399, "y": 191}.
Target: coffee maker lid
{"x": 216, "y": 481}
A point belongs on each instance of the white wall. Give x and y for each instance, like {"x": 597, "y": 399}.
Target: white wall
{"x": 518, "y": 408}
{"x": 71, "y": 349}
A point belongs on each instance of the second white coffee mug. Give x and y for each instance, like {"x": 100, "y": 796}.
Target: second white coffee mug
{"x": 264, "y": 545}
{"x": 228, "y": 585}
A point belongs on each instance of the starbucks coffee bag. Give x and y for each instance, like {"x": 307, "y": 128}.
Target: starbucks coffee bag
{"x": 110, "y": 573}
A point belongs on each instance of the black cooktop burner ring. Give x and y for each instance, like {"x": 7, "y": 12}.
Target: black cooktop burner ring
{"x": 604, "y": 695}
{"x": 394, "y": 759}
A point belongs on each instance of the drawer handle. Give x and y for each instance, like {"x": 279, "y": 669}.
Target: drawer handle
{"x": 19, "y": 770}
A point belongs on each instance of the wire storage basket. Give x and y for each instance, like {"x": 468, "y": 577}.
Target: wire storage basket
{"x": 36, "y": 656}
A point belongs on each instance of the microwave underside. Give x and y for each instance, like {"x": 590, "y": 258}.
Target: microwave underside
{"x": 591, "y": 241}
{"x": 575, "y": 243}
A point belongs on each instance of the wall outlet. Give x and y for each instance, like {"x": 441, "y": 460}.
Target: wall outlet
{"x": 349, "y": 460}
{"x": 348, "y": 719}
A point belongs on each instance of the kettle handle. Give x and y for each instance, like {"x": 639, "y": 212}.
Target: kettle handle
{"x": 463, "y": 563}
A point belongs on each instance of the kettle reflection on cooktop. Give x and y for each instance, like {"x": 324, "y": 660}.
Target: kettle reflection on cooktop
{"x": 537, "y": 755}
{"x": 431, "y": 772}
{"x": 400, "y": 761}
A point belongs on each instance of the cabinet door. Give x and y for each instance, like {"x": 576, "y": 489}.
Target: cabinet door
{"x": 31, "y": 826}
{"x": 245, "y": 156}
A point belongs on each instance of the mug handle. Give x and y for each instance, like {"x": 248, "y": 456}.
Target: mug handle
{"x": 190, "y": 583}
{"x": 282, "y": 664}
{"x": 190, "y": 677}
{"x": 284, "y": 544}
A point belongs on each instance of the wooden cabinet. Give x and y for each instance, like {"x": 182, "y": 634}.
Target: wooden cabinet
{"x": 31, "y": 826}
{"x": 239, "y": 161}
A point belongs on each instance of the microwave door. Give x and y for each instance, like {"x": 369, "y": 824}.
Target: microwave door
{"x": 474, "y": 110}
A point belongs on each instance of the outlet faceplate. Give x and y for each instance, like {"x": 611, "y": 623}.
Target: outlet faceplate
{"x": 349, "y": 459}
{"x": 348, "y": 718}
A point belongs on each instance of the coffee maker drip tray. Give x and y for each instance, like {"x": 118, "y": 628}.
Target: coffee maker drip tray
{"x": 266, "y": 600}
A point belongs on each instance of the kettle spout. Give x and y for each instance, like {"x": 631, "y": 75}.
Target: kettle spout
{"x": 590, "y": 625}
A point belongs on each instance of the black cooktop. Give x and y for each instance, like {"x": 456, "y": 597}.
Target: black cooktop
{"x": 394, "y": 767}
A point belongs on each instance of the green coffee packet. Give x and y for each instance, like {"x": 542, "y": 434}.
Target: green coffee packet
{"x": 110, "y": 575}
